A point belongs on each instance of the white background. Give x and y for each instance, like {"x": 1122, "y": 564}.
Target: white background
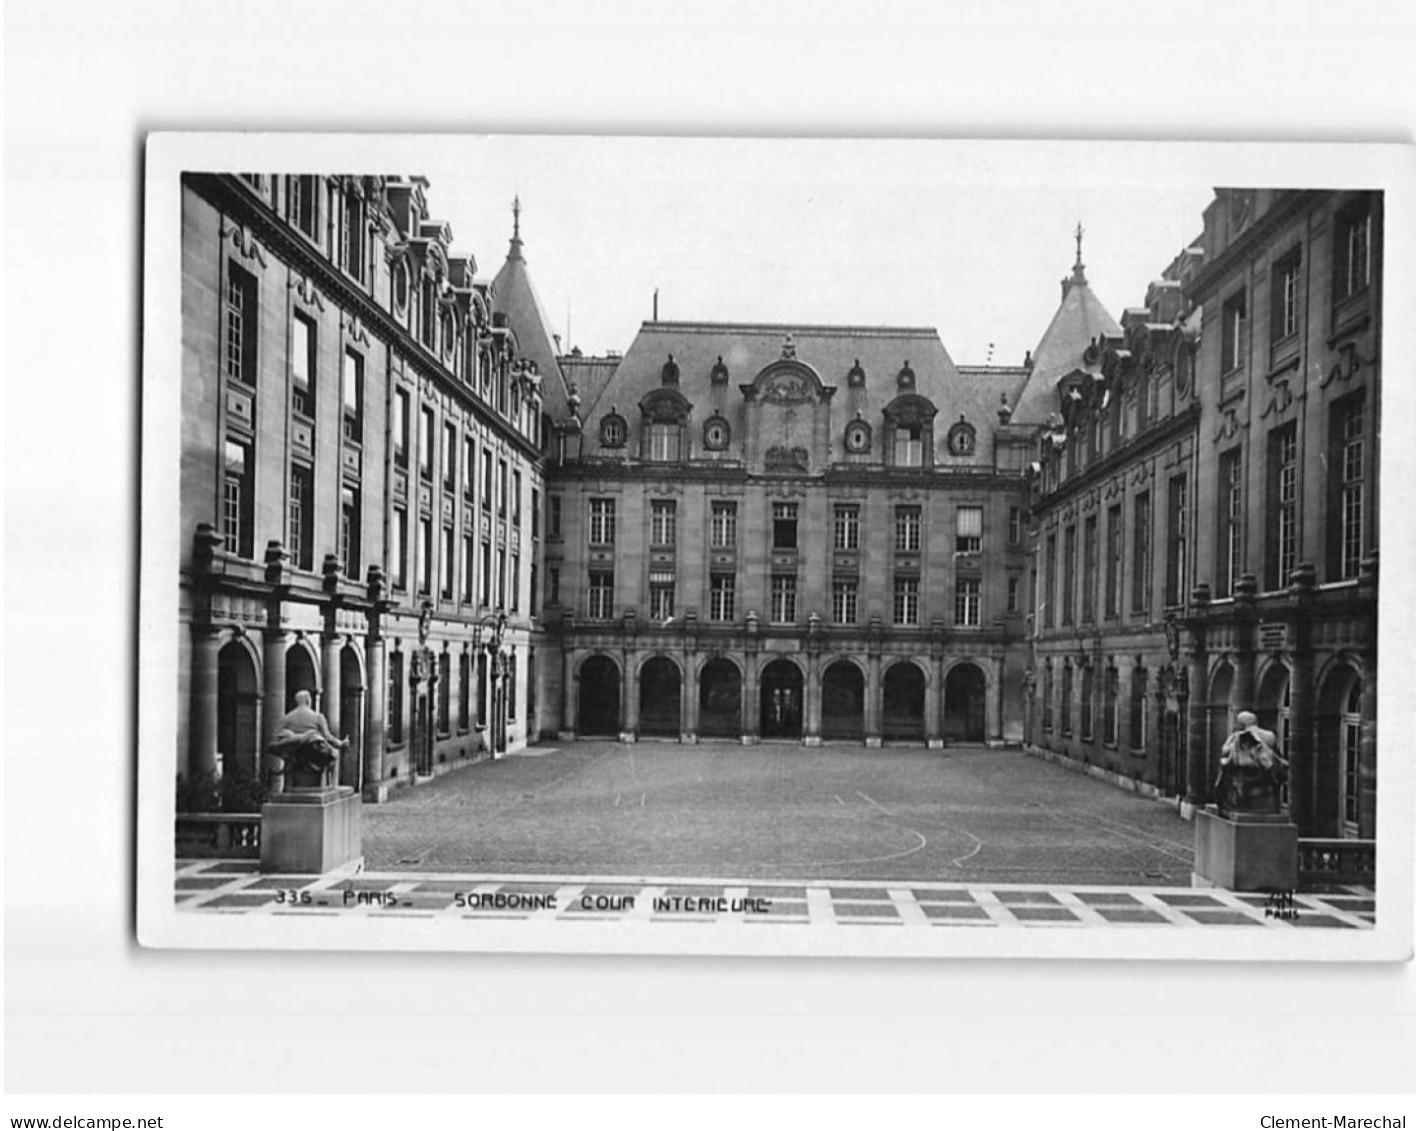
{"x": 86, "y": 1010}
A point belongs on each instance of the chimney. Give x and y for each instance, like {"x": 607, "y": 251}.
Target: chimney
{"x": 656, "y": 305}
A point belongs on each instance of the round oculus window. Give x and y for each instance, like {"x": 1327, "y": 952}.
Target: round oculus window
{"x": 961, "y": 440}
{"x": 857, "y": 436}
{"x": 716, "y": 434}
{"x": 613, "y": 431}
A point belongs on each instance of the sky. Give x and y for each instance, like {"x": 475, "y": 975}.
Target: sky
{"x": 970, "y": 238}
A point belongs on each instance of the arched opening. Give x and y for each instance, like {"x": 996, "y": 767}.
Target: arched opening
{"x": 599, "y": 712}
{"x": 300, "y": 675}
{"x": 1272, "y": 708}
{"x": 351, "y": 713}
{"x": 902, "y": 709}
{"x": 237, "y": 712}
{"x": 779, "y": 700}
{"x": 660, "y": 687}
{"x": 1220, "y": 724}
{"x": 720, "y": 699}
{"x": 1337, "y": 749}
{"x": 965, "y": 704}
{"x": 843, "y": 701}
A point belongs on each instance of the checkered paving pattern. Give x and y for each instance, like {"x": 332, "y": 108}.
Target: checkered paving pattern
{"x": 238, "y": 887}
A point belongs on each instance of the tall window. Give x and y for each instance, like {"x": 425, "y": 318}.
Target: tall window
{"x": 399, "y": 551}
{"x": 553, "y": 583}
{"x": 446, "y": 564}
{"x": 966, "y": 602}
{"x": 515, "y": 582}
{"x": 1066, "y": 696}
{"x": 486, "y": 574}
{"x": 241, "y": 315}
{"x": 661, "y": 595}
{"x": 395, "y": 699}
{"x": 302, "y": 366}
{"x": 504, "y": 486}
{"x": 1014, "y": 585}
{"x": 444, "y": 693}
{"x": 907, "y": 521}
{"x": 602, "y": 522}
{"x": 906, "y": 600}
{"x": 302, "y": 516}
{"x": 909, "y": 445}
{"x": 663, "y": 522}
{"x": 449, "y": 457}
{"x": 784, "y": 526}
{"x": 1088, "y": 690}
{"x": 501, "y": 577}
{"x": 1047, "y": 693}
{"x": 1110, "y": 695}
{"x": 349, "y": 531}
{"x": 511, "y": 695}
{"x": 464, "y": 691}
{"x": 425, "y": 556}
{"x": 722, "y": 594}
{"x": 601, "y": 595}
{"x": 968, "y": 538}
{"x": 783, "y": 598}
{"x": 400, "y": 427}
{"x": 1177, "y": 540}
{"x": 469, "y": 466}
{"x": 1283, "y": 313}
{"x": 663, "y": 442}
{"x": 482, "y": 677}
{"x": 427, "y": 441}
{"x": 1049, "y": 574}
{"x": 1281, "y": 545}
{"x": 303, "y": 205}
{"x": 845, "y": 601}
{"x": 1069, "y": 573}
{"x": 352, "y": 236}
{"x": 516, "y": 498}
{"x": 238, "y": 500}
{"x": 553, "y": 518}
{"x": 535, "y": 512}
{"x": 353, "y": 391}
{"x": 1351, "y": 759}
{"x": 1141, "y": 553}
{"x": 488, "y": 474}
{"x": 1089, "y": 550}
{"x": 468, "y": 549}
{"x": 1230, "y": 508}
{"x": 1015, "y": 525}
{"x": 723, "y": 522}
{"x": 847, "y": 527}
{"x": 1113, "y": 560}
{"x": 1347, "y": 479}
{"x": 1232, "y": 321}
{"x": 1136, "y": 734}
{"x": 1352, "y": 251}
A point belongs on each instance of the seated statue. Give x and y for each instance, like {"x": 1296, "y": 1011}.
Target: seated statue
{"x": 305, "y": 744}
{"x": 1251, "y": 772}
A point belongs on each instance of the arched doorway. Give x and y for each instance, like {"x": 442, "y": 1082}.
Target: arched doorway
{"x": 902, "y": 705}
{"x": 720, "y": 699}
{"x": 351, "y": 714}
{"x": 660, "y": 687}
{"x": 300, "y": 675}
{"x": 843, "y": 701}
{"x": 1220, "y": 724}
{"x": 966, "y": 702}
{"x": 779, "y": 700}
{"x": 237, "y": 712}
{"x": 599, "y": 712}
{"x": 1337, "y": 749}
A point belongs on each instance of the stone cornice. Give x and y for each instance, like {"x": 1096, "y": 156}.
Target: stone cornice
{"x": 1154, "y": 437}
{"x": 1212, "y": 274}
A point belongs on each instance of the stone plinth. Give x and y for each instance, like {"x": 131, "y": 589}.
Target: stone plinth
{"x": 311, "y": 831}
{"x": 1246, "y": 851}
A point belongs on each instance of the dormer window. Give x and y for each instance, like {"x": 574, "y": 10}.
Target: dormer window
{"x": 663, "y": 443}
{"x": 856, "y": 377}
{"x": 719, "y": 374}
{"x": 906, "y": 378}
{"x": 670, "y": 372}
{"x": 909, "y": 445}
{"x": 614, "y": 431}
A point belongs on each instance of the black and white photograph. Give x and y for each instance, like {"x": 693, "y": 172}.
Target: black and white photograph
{"x": 853, "y": 547}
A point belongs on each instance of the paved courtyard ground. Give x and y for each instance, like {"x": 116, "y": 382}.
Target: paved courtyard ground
{"x": 966, "y": 815}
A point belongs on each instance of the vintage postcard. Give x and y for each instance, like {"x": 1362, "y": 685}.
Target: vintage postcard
{"x": 775, "y": 546}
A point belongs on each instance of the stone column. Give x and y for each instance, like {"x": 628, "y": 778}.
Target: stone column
{"x": 1367, "y": 757}
{"x": 1302, "y": 765}
{"x": 811, "y": 730}
{"x": 688, "y": 720}
{"x": 1197, "y": 788}
{"x": 375, "y": 696}
{"x": 629, "y": 724}
{"x": 873, "y": 728}
{"x": 933, "y": 700}
{"x": 202, "y": 738}
{"x": 570, "y": 697}
{"x": 273, "y": 706}
{"x": 330, "y": 704}
{"x": 1242, "y": 692}
{"x": 751, "y": 712}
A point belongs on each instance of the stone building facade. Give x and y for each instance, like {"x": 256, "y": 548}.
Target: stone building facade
{"x": 361, "y": 483}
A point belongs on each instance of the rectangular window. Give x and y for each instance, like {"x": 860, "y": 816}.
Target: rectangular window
{"x": 464, "y": 691}
{"x": 352, "y": 382}
{"x": 467, "y": 584}
{"x": 1347, "y": 485}
{"x": 486, "y": 574}
{"x": 1177, "y": 560}
{"x": 302, "y": 517}
{"x": 663, "y": 523}
{"x": 1281, "y": 545}
{"x": 395, "y": 699}
{"x": 907, "y": 522}
{"x": 1047, "y": 693}
{"x": 504, "y": 486}
{"x": 553, "y": 520}
{"x": 602, "y": 522}
{"x": 515, "y": 583}
{"x": 488, "y": 474}
{"x": 847, "y": 527}
{"x": 350, "y": 524}
{"x": 784, "y": 526}
{"x": 1066, "y": 711}
{"x": 516, "y": 498}
{"x": 425, "y": 555}
{"x": 482, "y": 689}
{"x": 352, "y": 236}
{"x": 1141, "y": 553}
{"x": 1283, "y": 310}
{"x": 1069, "y": 573}
{"x": 722, "y": 597}
{"x": 469, "y": 466}
{"x": 532, "y": 590}
{"x": 966, "y": 602}
{"x": 724, "y": 526}
{"x": 427, "y": 439}
{"x": 907, "y": 600}
{"x": 663, "y": 442}
{"x": 444, "y": 693}
{"x": 783, "y": 598}
{"x": 1352, "y": 251}
{"x": 399, "y": 550}
{"x": 535, "y": 513}
{"x": 1229, "y": 507}
{"x": 968, "y": 538}
{"x": 238, "y": 500}
{"x": 601, "y": 595}
{"x": 303, "y": 205}
{"x": 845, "y": 601}
{"x": 400, "y": 427}
{"x": 1137, "y": 732}
{"x": 302, "y": 366}
{"x": 1015, "y": 526}
{"x": 1110, "y": 693}
{"x": 241, "y": 318}
{"x": 449, "y": 457}
{"x": 1014, "y": 586}
{"x": 909, "y": 445}
{"x": 1113, "y": 560}
{"x": 1049, "y": 574}
{"x": 553, "y": 584}
{"x": 501, "y": 577}
{"x": 446, "y": 565}
{"x": 511, "y": 695}
{"x": 1088, "y": 689}
{"x": 661, "y": 595}
{"x": 1089, "y": 552}
{"x": 1232, "y": 321}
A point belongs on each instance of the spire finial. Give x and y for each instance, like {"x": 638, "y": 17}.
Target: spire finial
{"x": 516, "y": 221}
{"x": 1078, "y": 273}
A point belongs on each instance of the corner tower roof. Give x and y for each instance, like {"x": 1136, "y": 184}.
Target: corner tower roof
{"x": 514, "y": 296}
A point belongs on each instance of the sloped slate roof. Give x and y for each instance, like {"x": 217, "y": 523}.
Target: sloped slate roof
{"x": 831, "y": 351}
{"x": 1080, "y": 319}
{"x": 514, "y": 295}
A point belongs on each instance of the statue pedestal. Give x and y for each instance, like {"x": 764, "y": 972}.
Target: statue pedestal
{"x": 1245, "y": 851}
{"x": 311, "y": 830}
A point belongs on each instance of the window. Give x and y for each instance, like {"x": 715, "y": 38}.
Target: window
{"x": 907, "y": 600}
{"x": 446, "y": 565}
{"x": 302, "y": 517}
{"x": 553, "y": 584}
{"x": 1113, "y": 560}
{"x": 400, "y": 427}
{"x": 1351, "y": 759}
{"x": 1229, "y": 545}
{"x": 302, "y": 366}
{"x": 501, "y": 577}
{"x": 1232, "y": 319}
{"x": 1281, "y": 545}
{"x": 966, "y": 602}
{"x": 469, "y": 466}
{"x": 1014, "y": 585}
{"x": 425, "y": 555}
{"x": 303, "y": 205}
{"x": 663, "y": 443}
{"x": 784, "y": 526}
{"x": 845, "y": 601}
{"x": 531, "y": 605}
{"x": 1141, "y": 552}
{"x": 1136, "y": 733}
{"x": 353, "y": 389}
{"x": 515, "y": 582}
{"x": 1177, "y": 541}
{"x": 1047, "y": 692}
{"x": 907, "y": 521}
{"x": 352, "y": 236}
{"x": 449, "y": 457}
{"x": 241, "y": 315}
{"x": 847, "y": 527}
{"x": 486, "y": 574}
{"x": 661, "y": 595}
{"x": 1066, "y": 697}
{"x": 482, "y": 689}
{"x": 553, "y": 520}
{"x": 349, "y": 531}
{"x": 602, "y": 522}
{"x": 238, "y": 500}
{"x": 516, "y": 498}
{"x": 504, "y": 486}
{"x": 444, "y": 693}
{"x": 467, "y": 551}
{"x": 464, "y": 691}
{"x": 1347, "y": 482}
{"x": 909, "y": 445}
{"x": 400, "y": 548}
{"x": 1069, "y": 573}
{"x": 1283, "y": 313}
{"x": 1049, "y": 601}
{"x": 968, "y": 538}
{"x": 511, "y": 685}
{"x": 1352, "y": 251}
{"x": 487, "y": 475}
{"x": 722, "y": 593}
{"x": 724, "y": 526}
{"x": 427, "y": 441}
{"x": 428, "y": 303}
{"x": 1110, "y": 694}
{"x": 1015, "y": 525}
{"x": 783, "y": 598}
{"x": 663, "y": 522}
{"x": 535, "y": 513}
{"x": 1088, "y": 689}
{"x": 395, "y": 699}
{"x": 1089, "y": 550}
{"x": 601, "y": 595}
